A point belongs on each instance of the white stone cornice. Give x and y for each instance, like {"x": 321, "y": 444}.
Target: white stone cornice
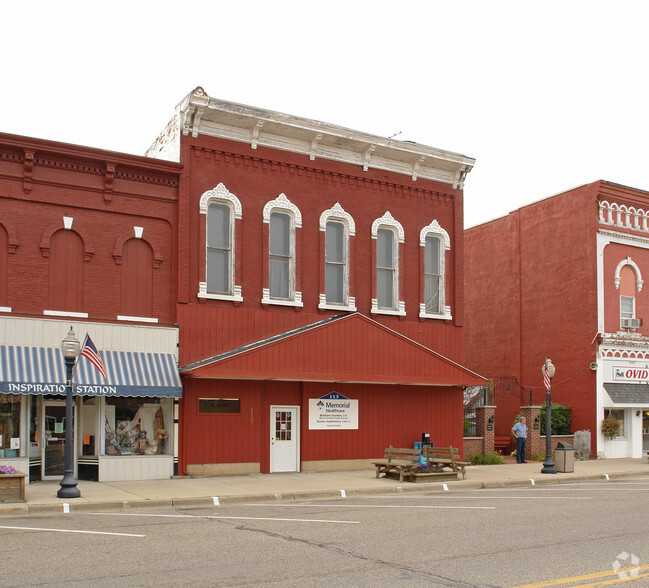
{"x": 201, "y": 115}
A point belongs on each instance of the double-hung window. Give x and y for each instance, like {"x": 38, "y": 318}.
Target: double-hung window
{"x": 386, "y": 269}
{"x": 432, "y": 275}
{"x": 219, "y": 248}
{"x": 434, "y": 242}
{"x": 281, "y": 280}
{"x": 338, "y": 227}
{"x": 388, "y": 235}
{"x": 281, "y": 269}
{"x": 222, "y": 210}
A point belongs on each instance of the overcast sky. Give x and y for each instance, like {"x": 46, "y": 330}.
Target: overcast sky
{"x": 544, "y": 95}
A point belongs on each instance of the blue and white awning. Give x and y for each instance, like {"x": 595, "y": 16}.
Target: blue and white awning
{"x": 41, "y": 370}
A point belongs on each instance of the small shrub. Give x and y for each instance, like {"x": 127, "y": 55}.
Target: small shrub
{"x": 492, "y": 458}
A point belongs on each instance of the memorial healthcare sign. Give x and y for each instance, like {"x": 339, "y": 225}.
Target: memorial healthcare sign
{"x": 333, "y": 411}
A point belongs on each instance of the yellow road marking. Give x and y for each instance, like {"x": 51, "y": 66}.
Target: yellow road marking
{"x": 566, "y": 581}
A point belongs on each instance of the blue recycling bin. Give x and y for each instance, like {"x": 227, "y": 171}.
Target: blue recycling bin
{"x": 419, "y": 445}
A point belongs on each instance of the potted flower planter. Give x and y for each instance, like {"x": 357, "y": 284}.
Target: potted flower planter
{"x": 12, "y": 486}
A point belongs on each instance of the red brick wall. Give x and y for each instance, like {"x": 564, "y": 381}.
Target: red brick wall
{"x": 532, "y": 293}
{"x": 258, "y": 176}
{"x": 106, "y": 194}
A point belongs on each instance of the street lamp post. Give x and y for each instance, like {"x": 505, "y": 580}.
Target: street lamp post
{"x": 548, "y": 373}
{"x": 70, "y": 347}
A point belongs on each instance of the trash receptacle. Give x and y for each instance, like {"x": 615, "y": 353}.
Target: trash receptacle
{"x": 564, "y": 457}
{"x": 425, "y": 442}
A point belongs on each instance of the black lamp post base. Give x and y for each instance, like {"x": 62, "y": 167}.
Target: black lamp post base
{"x": 68, "y": 487}
{"x": 548, "y": 467}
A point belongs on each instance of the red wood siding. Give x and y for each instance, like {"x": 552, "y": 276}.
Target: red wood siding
{"x": 388, "y": 415}
{"x": 349, "y": 349}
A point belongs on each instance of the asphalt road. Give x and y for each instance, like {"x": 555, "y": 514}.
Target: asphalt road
{"x": 595, "y": 531}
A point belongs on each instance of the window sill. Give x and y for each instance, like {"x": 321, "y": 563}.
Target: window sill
{"x": 267, "y": 300}
{"x": 203, "y": 293}
{"x": 446, "y": 316}
{"x": 5, "y": 308}
{"x": 65, "y": 313}
{"x": 137, "y": 319}
{"x": 401, "y": 311}
{"x": 349, "y": 307}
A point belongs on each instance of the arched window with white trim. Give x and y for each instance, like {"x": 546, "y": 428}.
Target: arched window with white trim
{"x": 434, "y": 242}
{"x": 388, "y": 235}
{"x": 222, "y": 210}
{"x": 337, "y": 227}
{"x": 283, "y": 219}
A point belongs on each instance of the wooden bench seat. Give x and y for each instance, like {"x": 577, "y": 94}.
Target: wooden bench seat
{"x": 445, "y": 457}
{"x": 397, "y": 460}
{"x": 502, "y": 442}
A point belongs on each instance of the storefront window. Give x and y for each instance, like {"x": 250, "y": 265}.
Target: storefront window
{"x": 10, "y": 425}
{"x": 137, "y": 426}
{"x": 88, "y": 424}
{"x": 618, "y": 414}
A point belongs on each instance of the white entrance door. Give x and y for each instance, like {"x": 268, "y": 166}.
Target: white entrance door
{"x": 285, "y": 438}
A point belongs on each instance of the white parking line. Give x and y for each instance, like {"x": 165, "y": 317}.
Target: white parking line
{"x": 432, "y": 506}
{"x": 70, "y": 531}
{"x": 225, "y": 518}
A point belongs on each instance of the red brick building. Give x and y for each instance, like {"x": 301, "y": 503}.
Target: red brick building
{"x": 562, "y": 278}
{"x": 320, "y": 291}
{"x": 88, "y": 239}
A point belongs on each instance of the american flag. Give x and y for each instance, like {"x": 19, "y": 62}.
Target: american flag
{"x": 546, "y": 377}
{"x": 89, "y": 351}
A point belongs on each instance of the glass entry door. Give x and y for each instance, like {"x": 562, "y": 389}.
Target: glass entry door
{"x": 53, "y": 439}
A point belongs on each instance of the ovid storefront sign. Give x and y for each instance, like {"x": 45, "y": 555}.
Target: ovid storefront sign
{"x": 333, "y": 411}
{"x": 629, "y": 374}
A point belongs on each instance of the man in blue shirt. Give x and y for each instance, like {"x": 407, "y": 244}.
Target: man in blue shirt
{"x": 520, "y": 432}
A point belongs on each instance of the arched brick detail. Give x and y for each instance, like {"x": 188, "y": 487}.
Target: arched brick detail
{"x": 12, "y": 236}
{"x": 46, "y": 239}
{"x": 125, "y": 235}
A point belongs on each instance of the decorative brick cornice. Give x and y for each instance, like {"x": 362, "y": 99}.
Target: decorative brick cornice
{"x": 269, "y": 166}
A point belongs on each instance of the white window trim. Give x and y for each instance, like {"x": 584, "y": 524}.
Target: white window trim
{"x": 337, "y": 213}
{"x": 435, "y": 230}
{"x": 5, "y": 308}
{"x": 638, "y": 276}
{"x": 284, "y": 205}
{"x": 221, "y": 195}
{"x": 389, "y": 222}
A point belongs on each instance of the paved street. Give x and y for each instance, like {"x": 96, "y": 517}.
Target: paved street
{"x": 507, "y": 537}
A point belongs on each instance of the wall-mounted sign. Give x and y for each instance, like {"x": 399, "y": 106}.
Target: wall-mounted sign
{"x": 333, "y": 411}
{"x": 629, "y": 374}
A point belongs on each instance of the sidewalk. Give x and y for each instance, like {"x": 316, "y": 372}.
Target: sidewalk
{"x": 185, "y": 492}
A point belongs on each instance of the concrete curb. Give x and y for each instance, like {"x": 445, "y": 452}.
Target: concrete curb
{"x": 189, "y": 502}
